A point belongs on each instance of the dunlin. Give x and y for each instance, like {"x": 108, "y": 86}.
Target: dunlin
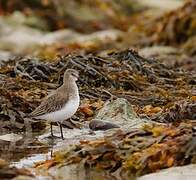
{"x": 61, "y": 104}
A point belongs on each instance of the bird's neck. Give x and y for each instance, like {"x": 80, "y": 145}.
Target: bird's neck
{"x": 70, "y": 87}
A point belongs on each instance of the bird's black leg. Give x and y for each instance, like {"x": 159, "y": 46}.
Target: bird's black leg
{"x": 51, "y": 130}
{"x": 61, "y": 128}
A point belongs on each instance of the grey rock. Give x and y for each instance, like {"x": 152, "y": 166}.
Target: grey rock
{"x": 119, "y": 112}
{"x": 5, "y": 56}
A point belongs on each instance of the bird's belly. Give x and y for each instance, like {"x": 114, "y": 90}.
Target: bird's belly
{"x": 65, "y": 113}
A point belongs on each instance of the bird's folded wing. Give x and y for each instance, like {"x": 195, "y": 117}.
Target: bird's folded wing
{"x": 48, "y": 105}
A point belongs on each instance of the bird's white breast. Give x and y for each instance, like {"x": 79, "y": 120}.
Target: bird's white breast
{"x": 65, "y": 113}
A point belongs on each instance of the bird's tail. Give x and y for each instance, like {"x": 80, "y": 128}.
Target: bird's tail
{"x": 29, "y": 117}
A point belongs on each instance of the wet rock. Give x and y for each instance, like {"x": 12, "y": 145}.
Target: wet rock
{"x": 101, "y": 125}
{"x": 120, "y": 113}
{"x": 72, "y": 136}
{"x": 176, "y": 173}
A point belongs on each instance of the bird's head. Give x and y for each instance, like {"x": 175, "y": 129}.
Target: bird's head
{"x": 71, "y": 74}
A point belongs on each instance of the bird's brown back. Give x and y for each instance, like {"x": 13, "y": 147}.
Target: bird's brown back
{"x": 55, "y": 101}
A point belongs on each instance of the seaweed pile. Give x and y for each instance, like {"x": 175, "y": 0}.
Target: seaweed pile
{"x": 177, "y": 26}
{"x": 157, "y": 91}
{"x": 174, "y": 28}
{"x": 143, "y": 82}
{"x": 134, "y": 153}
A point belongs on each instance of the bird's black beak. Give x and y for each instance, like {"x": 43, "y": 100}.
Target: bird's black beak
{"x": 76, "y": 76}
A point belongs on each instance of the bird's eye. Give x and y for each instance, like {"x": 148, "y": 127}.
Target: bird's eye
{"x": 73, "y": 74}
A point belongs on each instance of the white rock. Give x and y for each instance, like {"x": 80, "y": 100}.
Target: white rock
{"x": 148, "y": 52}
{"x": 175, "y": 173}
